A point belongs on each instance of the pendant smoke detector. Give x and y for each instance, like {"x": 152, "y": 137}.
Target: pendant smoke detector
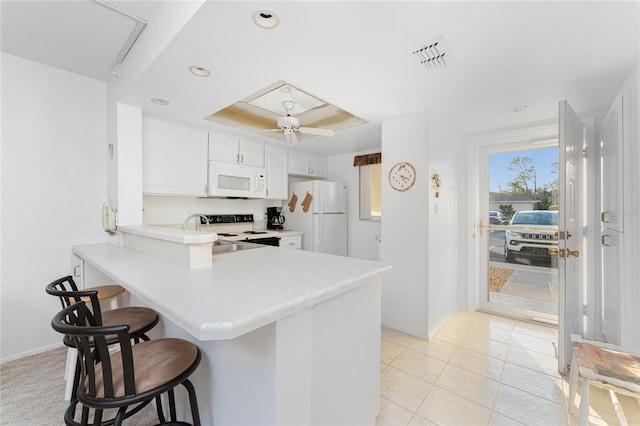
{"x": 435, "y": 54}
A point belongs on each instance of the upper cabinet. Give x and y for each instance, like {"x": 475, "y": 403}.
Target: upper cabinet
{"x": 230, "y": 149}
{"x": 174, "y": 159}
{"x": 277, "y": 176}
{"x": 307, "y": 165}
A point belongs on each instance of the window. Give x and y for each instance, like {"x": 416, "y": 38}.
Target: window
{"x": 370, "y": 185}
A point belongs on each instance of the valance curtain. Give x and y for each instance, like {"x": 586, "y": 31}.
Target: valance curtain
{"x": 367, "y": 159}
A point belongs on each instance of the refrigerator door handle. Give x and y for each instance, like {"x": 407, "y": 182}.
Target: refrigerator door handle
{"x": 320, "y": 220}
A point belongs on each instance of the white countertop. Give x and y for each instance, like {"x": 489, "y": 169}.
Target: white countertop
{"x": 240, "y": 292}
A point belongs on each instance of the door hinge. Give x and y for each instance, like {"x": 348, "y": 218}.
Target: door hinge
{"x": 584, "y": 310}
{"x": 584, "y": 152}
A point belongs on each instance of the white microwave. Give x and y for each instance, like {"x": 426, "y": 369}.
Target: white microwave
{"x": 234, "y": 180}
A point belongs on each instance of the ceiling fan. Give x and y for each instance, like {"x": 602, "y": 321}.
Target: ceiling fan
{"x": 290, "y": 125}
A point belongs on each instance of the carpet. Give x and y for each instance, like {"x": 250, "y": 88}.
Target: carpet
{"x": 497, "y": 277}
{"x": 32, "y": 392}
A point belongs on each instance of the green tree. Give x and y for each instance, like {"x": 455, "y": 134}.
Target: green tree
{"x": 526, "y": 174}
{"x": 507, "y": 211}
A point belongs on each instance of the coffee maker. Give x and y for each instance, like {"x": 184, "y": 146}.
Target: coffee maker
{"x": 275, "y": 220}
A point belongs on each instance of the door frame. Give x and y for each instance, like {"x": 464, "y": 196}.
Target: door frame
{"x": 543, "y": 135}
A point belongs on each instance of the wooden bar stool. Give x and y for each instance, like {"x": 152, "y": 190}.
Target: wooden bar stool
{"x": 607, "y": 366}
{"x": 140, "y": 319}
{"x": 129, "y": 379}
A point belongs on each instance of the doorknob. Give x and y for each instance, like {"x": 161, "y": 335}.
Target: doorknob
{"x": 554, "y": 251}
{"x": 574, "y": 253}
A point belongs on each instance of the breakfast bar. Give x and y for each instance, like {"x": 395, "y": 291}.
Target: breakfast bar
{"x": 288, "y": 336}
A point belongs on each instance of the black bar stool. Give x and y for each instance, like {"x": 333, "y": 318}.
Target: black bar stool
{"x": 140, "y": 319}
{"x": 132, "y": 377}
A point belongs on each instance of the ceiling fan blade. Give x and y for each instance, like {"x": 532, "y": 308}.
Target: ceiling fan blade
{"x": 265, "y": 130}
{"x": 316, "y": 131}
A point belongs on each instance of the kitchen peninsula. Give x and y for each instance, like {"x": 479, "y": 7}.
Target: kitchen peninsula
{"x": 288, "y": 336}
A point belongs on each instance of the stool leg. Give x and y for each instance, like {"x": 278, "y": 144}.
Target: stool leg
{"x": 573, "y": 384}
{"x": 584, "y": 403}
{"x": 195, "y": 414}
{"x": 618, "y": 408}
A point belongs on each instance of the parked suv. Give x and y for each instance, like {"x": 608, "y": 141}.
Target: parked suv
{"x": 534, "y": 234}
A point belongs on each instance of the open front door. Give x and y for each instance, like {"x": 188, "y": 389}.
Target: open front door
{"x": 570, "y": 228}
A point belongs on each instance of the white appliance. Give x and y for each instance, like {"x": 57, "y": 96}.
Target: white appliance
{"x": 324, "y": 224}
{"x": 233, "y": 180}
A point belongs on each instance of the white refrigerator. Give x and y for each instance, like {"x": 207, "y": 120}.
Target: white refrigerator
{"x": 318, "y": 208}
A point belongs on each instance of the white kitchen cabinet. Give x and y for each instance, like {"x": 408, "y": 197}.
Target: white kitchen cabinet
{"x": 230, "y": 149}
{"x": 307, "y": 165}
{"x": 276, "y": 160}
{"x": 291, "y": 242}
{"x": 611, "y": 137}
{"x": 174, "y": 159}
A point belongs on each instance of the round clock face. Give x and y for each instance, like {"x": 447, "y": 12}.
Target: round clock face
{"x": 402, "y": 176}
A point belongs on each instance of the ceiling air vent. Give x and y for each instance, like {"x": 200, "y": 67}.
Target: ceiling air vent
{"x": 435, "y": 54}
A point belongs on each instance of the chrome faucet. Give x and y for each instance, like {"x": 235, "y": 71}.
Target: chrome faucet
{"x": 197, "y": 216}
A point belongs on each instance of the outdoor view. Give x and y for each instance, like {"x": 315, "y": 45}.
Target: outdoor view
{"x": 523, "y": 221}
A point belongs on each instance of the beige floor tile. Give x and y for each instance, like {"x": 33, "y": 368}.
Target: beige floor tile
{"x": 469, "y": 385}
{"x": 419, "y": 421}
{"x": 537, "y": 330}
{"x": 388, "y": 351}
{"x": 462, "y": 324}
{"x": 449, "y": 335}
{"x": 402, "y": 388}
{"x": 495, "y": 321}
{"x": 435, "y": 348}
{"x": 446, "y": 408}
{"x": 493, "y": 333}
{"x": 395, "y": 336}
{"x": 533, "y": 360}
{"x": 531, "y": 343}
{"x": 527, "y": 408}
{"x": 498, "y": 419}
{"x": 485, "y": 346}
{"x": 418, "y": 364}
{"x": 465, "y": 315}
{"x": 478, "y": 363}
{"x": 391, "y": 414}
{"x": 539, "y": 384}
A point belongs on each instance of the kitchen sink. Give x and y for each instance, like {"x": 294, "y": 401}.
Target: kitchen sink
{"x": 222, "y": 246}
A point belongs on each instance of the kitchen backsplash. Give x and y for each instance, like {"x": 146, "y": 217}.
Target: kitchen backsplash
{"x": 174, "y": 210}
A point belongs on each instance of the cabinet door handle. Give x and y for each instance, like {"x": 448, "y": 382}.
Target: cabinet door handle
{"x": 604, "y": 217}
{"x": 76, "y": 271}
{"x": 242, "y": 158}
{"x": 603, "y": 240}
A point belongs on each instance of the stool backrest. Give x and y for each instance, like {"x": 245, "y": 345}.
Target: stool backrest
{"x": 67, "y": 291}
{"x": 92, "y": 340}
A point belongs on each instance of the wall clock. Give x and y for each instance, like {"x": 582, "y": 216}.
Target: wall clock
{"x": 402, "y": 176}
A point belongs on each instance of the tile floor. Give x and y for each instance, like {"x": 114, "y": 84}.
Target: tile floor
{"x": 482, "y": 369}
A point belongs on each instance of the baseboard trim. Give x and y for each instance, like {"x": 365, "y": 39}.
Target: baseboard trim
{"x": 35, "y": 351}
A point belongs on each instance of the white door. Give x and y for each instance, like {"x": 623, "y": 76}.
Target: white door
{"x": 330, "y": 233}
{"x": 571, "y": 235}
{"x": 329, "y": 197}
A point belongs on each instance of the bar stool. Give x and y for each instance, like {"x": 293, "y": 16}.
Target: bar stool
{"x": 603, "y": 365}
{"x": 140, "y": 319}
{"x": 131, "y": 377}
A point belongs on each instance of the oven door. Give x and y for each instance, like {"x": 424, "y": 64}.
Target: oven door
{"x": 267, "y": 241}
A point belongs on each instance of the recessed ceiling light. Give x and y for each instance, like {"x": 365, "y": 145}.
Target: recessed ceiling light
{"x": 159, "y": 101}
{"x": 519, "y": 108}
{"x": 265, "y": 19}
{"x": 199, "y": 71}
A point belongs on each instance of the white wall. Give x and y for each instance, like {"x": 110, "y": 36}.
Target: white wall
{"x": 362, "y": 242}
{"x": 446, "y": 256}
{"x": 53, "y": 187}
{"x": 405, "y": 228}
